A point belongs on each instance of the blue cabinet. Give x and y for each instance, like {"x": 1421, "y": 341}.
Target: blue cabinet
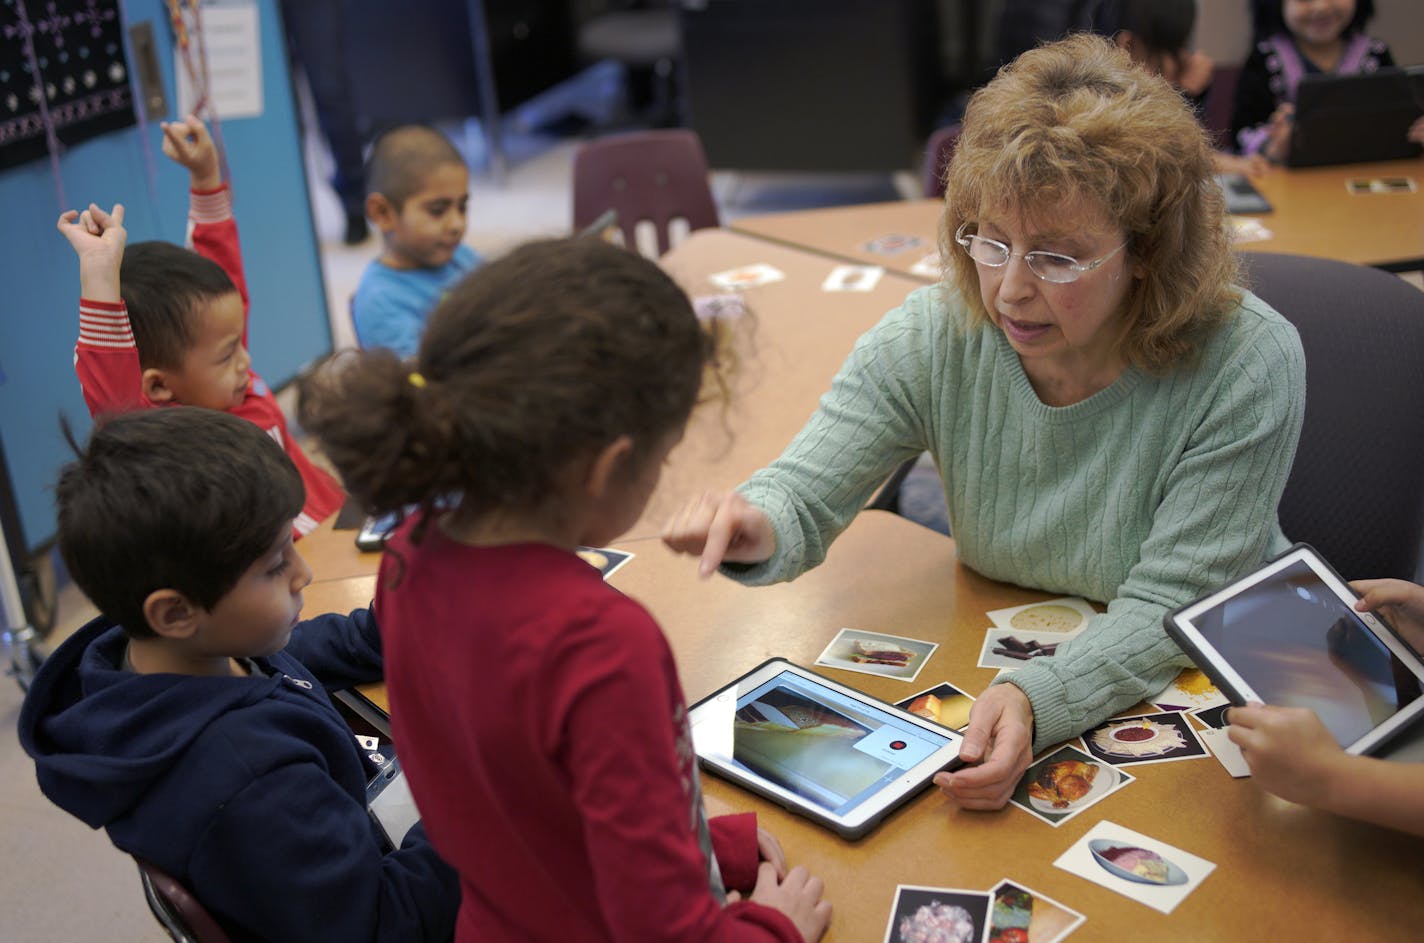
{"x": 39, "y": 286}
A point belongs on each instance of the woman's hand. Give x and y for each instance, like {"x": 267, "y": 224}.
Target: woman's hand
{"x": 718, "y": 526}
{"x": 999, "y": 739}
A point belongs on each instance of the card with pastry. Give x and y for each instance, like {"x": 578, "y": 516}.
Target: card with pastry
{"x": 1064, "y": 783}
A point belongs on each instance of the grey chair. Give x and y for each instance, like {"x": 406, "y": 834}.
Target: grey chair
{"x": 1356, "y": 489}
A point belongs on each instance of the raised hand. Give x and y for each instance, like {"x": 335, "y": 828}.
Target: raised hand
{"x": 98, "y": 239}
{"x": 188, "y": 143}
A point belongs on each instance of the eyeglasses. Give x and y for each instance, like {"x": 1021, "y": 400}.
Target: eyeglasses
{"x": 1050, "y": 266}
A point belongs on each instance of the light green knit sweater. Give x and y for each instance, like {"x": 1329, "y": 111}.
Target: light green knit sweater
{"x": 1144, "y": 495}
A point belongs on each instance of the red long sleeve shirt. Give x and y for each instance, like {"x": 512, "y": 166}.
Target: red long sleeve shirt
{"x": 107, "y": 362}
{"x": 539, "y": 718}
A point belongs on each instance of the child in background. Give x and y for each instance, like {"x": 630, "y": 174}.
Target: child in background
{"x": 189, "y": 720}
{"x": 1292, "y": 755}
{"x": 541, "y": 722}
{"x": 1296, "y": 38}
{"x": 418, "y": 189}
{"x": 1155, "y": 34}
{"x": 160, "y": 325}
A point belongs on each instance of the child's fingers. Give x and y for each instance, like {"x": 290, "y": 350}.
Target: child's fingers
{"x": 1377, "y": 593}
{"x": 66, "y": 219}
{"x": 116, "y": 215}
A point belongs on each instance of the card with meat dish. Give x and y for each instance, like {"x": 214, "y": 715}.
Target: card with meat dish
{"x": 890, "y": 656}
{"x": 1010, "y": 649}
{"x": 1064, "y": 783}
{"x": 931, "y": 914}
{"x": 1145, "y": 738}
{"x": 944, "y": 704}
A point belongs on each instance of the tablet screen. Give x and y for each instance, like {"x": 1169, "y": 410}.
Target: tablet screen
{"x": 1297, "y": 643}
{"x": 833, "y": 750}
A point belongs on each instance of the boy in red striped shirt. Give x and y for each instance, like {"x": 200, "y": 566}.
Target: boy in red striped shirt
{"x": 160, "y": 325}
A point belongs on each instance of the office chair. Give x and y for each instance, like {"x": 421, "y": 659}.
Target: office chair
{"x": 652, "y": 177}
{"x": 1220, "y": 101}
{"x": 937, "y": 154}
{"x": 179, "y": 912}
{"x": 1356, "y": 488}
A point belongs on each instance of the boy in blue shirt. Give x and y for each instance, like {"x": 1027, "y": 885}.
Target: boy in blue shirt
{"x": 190, "y": 720}
{"x": 418, "y": 190}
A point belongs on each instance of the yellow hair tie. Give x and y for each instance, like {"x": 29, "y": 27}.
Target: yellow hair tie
{"x": 416, "y": 380}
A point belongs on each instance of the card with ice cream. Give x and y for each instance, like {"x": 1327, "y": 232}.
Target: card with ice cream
{"x": 1149, "y": 871}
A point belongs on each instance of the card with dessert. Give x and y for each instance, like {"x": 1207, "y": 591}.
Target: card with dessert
{"x": 890, "y": 656}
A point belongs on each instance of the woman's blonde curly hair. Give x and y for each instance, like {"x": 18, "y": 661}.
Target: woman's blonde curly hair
{"x": 1075, "y": 123}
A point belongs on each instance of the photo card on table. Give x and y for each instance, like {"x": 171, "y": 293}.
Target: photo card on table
{"x": 944, "y": 704}
{"x": 1038, "y": 918}
{"x": 605, "y": 560}
{"x": 938, "y": 913}
{"x": 1064, "y": 783}
{"x": 1067, "y": 614}
{"x": 1149, "y": 871}
{"x": 1145, "y": 738}
{"x": 876, "y": 653}
{"x": 1011, "y": 649}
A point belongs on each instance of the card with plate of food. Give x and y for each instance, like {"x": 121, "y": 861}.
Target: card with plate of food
{"x": 1068, "y": 615}
{"x": 1135, "y": 865}
{"x": 1144, "y": 738}
{"x": 890, "y": 656}
{"x": 1064, "y": 783}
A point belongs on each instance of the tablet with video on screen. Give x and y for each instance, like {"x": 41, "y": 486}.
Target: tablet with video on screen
{"x": 831, "y": 753}
{"x": 1288, "y": 635}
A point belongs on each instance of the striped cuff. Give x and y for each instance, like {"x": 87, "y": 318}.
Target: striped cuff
{"x": 210, "y": 206}
{"x": 305, "y": 524}
{"x": 104, "y": 324}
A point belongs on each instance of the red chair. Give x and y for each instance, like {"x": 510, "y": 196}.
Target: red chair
{"x": 653, "y": 177}
{"x": 937, "y": 154}
{"x": 186, "y": 920}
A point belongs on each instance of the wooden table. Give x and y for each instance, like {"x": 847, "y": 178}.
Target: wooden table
{"x": 1313, "y": 214}
{"x": 1282, "y": 872}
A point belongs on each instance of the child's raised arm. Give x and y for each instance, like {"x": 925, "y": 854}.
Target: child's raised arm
{"x": 188, "y": 143}
{"x": 98, "y": 239}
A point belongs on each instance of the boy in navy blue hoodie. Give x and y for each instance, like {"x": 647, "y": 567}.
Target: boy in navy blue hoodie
{"x": 190, "y": 720}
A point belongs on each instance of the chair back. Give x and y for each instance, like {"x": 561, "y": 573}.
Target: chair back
{"x": 647, "y": 177}
{"x": 1219, "y": 104}
{"x": 1356, "y": 488}
{"x": 937, "y": 154}
{"x": 179, "y": 912}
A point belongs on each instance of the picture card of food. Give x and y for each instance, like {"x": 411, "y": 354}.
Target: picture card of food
{"x": 1145, "y": 738}
{"x": 944, "y": 704}
{"x": 890, "y": 656}
{"x": 1149, "y": 871}
{"x": 604, "y": 559}
{"x": 1068, "y": 614}
{"x": 1191, "y": 690}
{"x": 892, "y": 244}
{"x": 1020, "y": 915}
{"x": 1064, "y": 783}
{"x": 747, "y": 276}
{"x": 1009, "y": 649}
{"x": 853, "y": 278}
{"x": 938, "y": 915}
{"x": 1213, "y": 717}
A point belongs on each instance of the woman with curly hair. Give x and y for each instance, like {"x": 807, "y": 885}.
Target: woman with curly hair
{"x": 1110, "y": 414}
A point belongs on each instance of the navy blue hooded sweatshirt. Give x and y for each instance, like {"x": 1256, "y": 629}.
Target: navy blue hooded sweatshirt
{"x": 251, "y": 791}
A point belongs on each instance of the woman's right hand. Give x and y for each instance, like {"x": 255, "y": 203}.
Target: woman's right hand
{"x": 798, "y": 896}
{"x": 720, "y": 526}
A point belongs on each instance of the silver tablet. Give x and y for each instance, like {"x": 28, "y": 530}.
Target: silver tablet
{"x": 831, "y": 753}
{"x": 1288, "y": 634}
